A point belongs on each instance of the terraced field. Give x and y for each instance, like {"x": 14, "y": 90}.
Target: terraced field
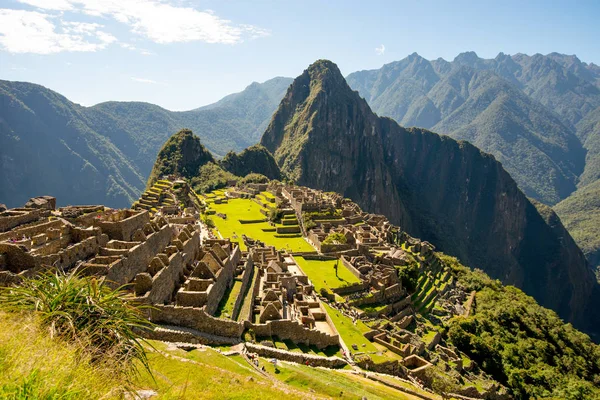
{"x": 429, "y": 285}
{"x": 245, "y": 216}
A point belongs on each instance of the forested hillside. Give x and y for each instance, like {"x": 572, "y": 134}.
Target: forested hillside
{"x": 104, "y": 154}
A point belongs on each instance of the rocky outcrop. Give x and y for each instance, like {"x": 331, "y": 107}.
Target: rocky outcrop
{"x": 444, "y": 191}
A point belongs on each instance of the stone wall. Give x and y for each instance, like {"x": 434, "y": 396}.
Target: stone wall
{"x": 136, "y": 260}
{"x": 31, "y": 231}
{"x": 297, "y": 333}
{"x": 195, "y": 318}
{"x": 223, "y": 280}
{"x": 124, "y": 228}
{"x": 300, "y": 358}
{"x": 164, "y": 282}
{"x": 18, "y": 216}
{"x": 352, "y": 269}
{"x": 246, "y": 280}
{"x": 357, "y": 287}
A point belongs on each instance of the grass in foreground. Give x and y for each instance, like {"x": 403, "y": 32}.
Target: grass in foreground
{"x": 322, "y": 273}
{"x": 35, "y": 366}
{"x": 332, "y": 383}
{"x": 84, "y": 311}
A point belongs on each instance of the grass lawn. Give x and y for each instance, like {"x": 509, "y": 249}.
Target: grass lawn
{"x": 246, "y": 209}
{"x": 322, "y": 273}
{"x": 353, "y": 334}
{"x": 331, "y": 383}
{"x": 245, "y": 309}
{"x": 208, "y": 375}
{"x": 228, "y": 301}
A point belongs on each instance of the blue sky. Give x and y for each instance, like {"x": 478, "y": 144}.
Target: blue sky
{"x": 183, "y": 54}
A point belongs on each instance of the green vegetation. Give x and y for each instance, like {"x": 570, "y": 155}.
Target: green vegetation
{"x": 211, "y": 177}
{"x": 33, "y": 365}
{"x": 523, "y": 345}
{"x": 580, "y": 213}
{"x": 409, "y": 276}
{"x": 181, "y": 155}
{"x": 333, "y": 384}
{"x": 335, "y": 238}
{"x": 323, "y": 274}
{"x": 253, "y": 178}
{"x": 253, "y": 160}
{"x": 82, "y": 310}
{"x": 353, "y": 334}
{"x": 238, "y": 210}
{"x": 225, "y": 308}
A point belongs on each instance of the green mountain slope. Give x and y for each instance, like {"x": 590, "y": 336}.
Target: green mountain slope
{"x": 104, "y": 153}
{"x": 580, "y": 213}
{"x": 181, "y": 155}
{"x": 450, "y": 193}
{"x": 49, "y": 145}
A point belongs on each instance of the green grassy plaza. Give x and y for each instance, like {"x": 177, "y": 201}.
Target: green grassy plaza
{"x": 249, "y": 210}
{"x": 322, "y": 273}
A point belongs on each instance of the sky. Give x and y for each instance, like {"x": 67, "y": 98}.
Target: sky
{"x": 183, "y": 54}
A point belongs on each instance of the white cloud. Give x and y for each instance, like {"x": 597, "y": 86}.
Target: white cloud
{"x": 33, "y": 32}
{"x": 380, "y": 50}
{"x": 143, "y": 80}
{"x": 158, "y": 20}
{"x": 147, "y": 53}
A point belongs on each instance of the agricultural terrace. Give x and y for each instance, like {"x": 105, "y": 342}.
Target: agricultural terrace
{"x": 322, "y": 273}
{"x": 353, "y": 333}
{"x": 249, "y": 211}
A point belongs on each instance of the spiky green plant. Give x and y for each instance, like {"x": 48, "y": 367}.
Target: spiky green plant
{"x": 84, "y": 310}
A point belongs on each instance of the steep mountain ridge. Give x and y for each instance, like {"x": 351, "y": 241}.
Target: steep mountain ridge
{"x": 481, "y": 101}
{"x": 450, "y": 193}
{"x": 105, "y": 153}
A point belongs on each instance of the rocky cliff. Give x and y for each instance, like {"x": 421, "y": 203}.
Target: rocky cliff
{"x": 324, "y": 135}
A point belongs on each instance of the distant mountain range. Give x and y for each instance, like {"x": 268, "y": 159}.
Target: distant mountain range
{"x": 324, "y": 135}
{"x": 104, "y": 154}
{"x": 538, "y": 115}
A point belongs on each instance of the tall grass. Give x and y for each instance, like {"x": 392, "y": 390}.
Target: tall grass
{"x": 35, "y": 366}
{"x": 85, "y": 311}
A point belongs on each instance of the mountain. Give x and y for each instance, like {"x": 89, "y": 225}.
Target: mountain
{"x": 324, "y": 135}
{"x": 487, "y": 103}
{"x": 50, "y": 145}
{"x": 580, "y": 213}
{"x": 104, "y": 153}
{"x": 181, "y": 155}
{"x": 254, "y": 159}
{"x": 184, "y": 155}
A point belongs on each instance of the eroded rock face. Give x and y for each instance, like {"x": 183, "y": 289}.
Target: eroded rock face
{"x": 42, "y": 202}
{"x": 447, "y": 192}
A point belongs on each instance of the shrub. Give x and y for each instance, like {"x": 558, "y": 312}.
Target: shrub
{"x": 253, "y": 178}
{"x": 83, "y": 310}
{"x": 335, "y": 238}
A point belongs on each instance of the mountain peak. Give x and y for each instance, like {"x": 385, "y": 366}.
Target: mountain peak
{"x": 324, "y": 70}
{"x": 468, "y": 57}
{"x": 181, "y": 155}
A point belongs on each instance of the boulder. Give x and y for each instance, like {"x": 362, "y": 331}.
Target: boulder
{"x": 3, "y": 207}
{"x": 43, "y": 202}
